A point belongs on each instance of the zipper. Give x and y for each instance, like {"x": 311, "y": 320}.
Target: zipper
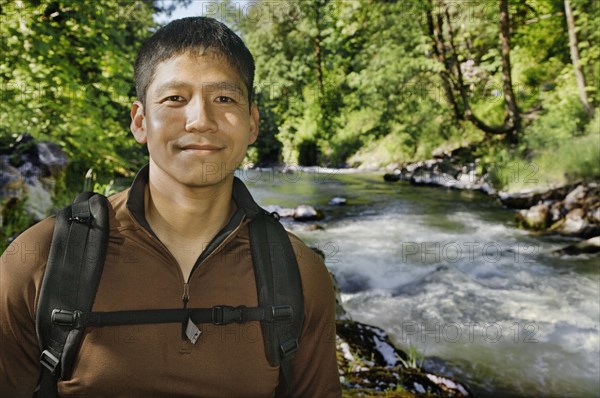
{"x": 185, "y": 298}
{"x": 186, "y": 294}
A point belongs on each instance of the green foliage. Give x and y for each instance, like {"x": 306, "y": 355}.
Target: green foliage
{"x": 267, "y": 149}
{"x": 334, "y": 82}
{"x": 561, "y": 119}
{"x": 414, "y": 359}
{"x": 91, "y": 184}
{"x": 66, "y": 76}
{"x": 509, "y": 170}
{"x": 575, "y": 159}
{"x": 382, "y": 100}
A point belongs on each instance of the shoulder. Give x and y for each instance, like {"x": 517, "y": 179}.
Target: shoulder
{"x": 317, "y": 285}
{"x": 310, "y": 262}
{"x": 118, "y": 213}
{"x": 23, "y": 263}
{"x": 119, "y": 199}
{"x": 30, "y": 247}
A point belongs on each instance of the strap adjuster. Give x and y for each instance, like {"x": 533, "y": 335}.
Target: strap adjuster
{"x": 49, "y": 361}
{"x": 67, "y": 318}
{"x": 224, "y": 314}
{"x": 289, "y": 348}
{"x": 282, "y": 312}
{"x": 81, "y": 220}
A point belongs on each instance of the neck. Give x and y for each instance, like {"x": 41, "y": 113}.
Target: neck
{"x": 182, "y": 213}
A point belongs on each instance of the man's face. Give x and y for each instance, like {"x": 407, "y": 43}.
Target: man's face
{"x": 196, "y": 120}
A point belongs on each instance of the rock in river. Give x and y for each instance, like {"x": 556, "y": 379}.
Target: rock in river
{"x": 338, "y": 201}
{"x": 536, "y": 218}
{"x": 589, "y": 246}
{"x": 307, "y": 213}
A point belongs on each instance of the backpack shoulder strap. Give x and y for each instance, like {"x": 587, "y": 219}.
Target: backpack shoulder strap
{"x": 72, "y": 275}
{"x": 279, "y": 287}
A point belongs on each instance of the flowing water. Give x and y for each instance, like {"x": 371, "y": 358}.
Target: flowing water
{"x": 448, "y": 276}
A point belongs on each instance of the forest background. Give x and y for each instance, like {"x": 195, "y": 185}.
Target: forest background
{"x": 340, "y": 83}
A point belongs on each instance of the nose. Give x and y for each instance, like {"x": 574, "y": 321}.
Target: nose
{"x": 200, "y": 117}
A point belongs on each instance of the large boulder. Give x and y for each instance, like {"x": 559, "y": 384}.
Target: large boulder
{"x": 572, "y": 210}
{"x": 536, "y": 217}
{"x": 576, "y": 223}
{"x": 28, "y": 174}
{"x": 575, "y": 196}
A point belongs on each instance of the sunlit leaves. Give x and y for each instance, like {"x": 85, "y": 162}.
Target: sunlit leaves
{"x": 66, "y": 75}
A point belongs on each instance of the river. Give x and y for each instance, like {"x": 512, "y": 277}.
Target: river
{"x": 447, "y": 275}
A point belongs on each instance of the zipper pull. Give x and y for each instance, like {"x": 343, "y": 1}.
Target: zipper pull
{"x": 186, "y": 294}
{"x": 185, "y": 298}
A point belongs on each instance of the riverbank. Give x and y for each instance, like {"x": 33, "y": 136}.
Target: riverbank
{"x": 370, "y": 365}
{"x": 571, "y": 210}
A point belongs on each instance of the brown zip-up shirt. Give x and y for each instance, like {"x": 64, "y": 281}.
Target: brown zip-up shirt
{"x": 154, "y": 360}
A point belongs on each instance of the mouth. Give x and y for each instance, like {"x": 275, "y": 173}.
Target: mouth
{"x": 201, "y": 148}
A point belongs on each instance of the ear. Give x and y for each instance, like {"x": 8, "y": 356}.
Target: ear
{"x": 138, "y": 122}
{"x": 254, "y": 119}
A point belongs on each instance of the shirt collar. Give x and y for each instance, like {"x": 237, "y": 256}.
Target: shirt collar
{"x": 135, "y": 200}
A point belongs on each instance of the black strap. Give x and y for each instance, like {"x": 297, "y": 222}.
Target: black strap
{"x": 218, "y": 315}
{"x": 70, "y": 282}
{"x": 277, "y": 281}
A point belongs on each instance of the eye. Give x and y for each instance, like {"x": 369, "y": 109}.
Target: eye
{"x": 224, "y": 99}
{"x": 174, "y": 98}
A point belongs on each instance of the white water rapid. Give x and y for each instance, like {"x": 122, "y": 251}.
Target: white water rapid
{"x": 447, "y": 274}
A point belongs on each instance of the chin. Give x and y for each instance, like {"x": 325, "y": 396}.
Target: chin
{"x": 204, "y": 179}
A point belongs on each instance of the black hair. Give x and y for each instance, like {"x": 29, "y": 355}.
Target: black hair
{"x": 190, "y": 35}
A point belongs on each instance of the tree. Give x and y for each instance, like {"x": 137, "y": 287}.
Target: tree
{"x": 66, "y": 76}
{"x": 291, "y": 43}
{"x": 579, "y": 76}
{"x": 442, "y": 34}
{"x": 339, "y": 75}
{"x": 365, "y": 81}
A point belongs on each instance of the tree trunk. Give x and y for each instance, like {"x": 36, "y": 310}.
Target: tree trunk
{"x": 437, "y": 43}
{"x": 452, "y": 77}
{"x": 318, "y": 56}
{"x": 467, "y": 111}
{"x": 512, "y": 116}
{"x": 579, "y": 77}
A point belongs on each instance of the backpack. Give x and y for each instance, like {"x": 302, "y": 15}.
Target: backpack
{"x": 73, "y": 272}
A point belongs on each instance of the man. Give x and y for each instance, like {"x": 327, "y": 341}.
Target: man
{"x": 178, "y": 237}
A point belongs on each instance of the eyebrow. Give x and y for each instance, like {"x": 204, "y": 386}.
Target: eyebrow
{"x": 179, "y": 84}
{"x": 173, "y": 84}
{"x": 227, "y": 86}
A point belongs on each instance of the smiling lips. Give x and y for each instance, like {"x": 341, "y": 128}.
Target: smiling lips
{"x": 201, "y": 148}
